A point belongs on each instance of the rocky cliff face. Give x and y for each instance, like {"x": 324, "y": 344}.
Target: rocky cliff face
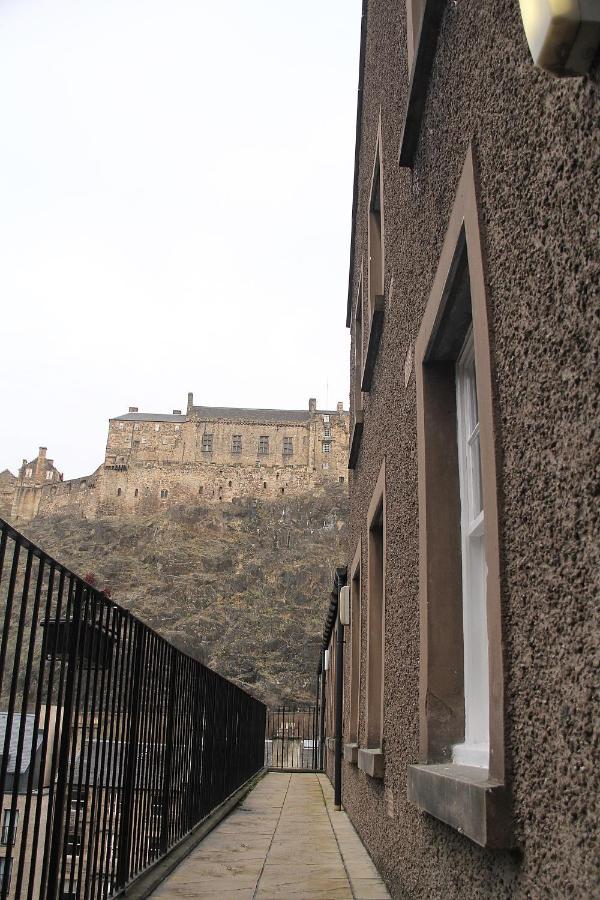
{"x": 242, "y": 586}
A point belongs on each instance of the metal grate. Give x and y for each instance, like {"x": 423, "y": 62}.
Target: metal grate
{"x": 292, "y": 738}
{"x": 114, "y": 743}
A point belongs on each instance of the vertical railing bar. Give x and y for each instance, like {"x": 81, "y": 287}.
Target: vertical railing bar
{"x": 82, "y": 622}
{"x": 157, "y": 738}
{"x": 140, "y": 827}
{"x": 99, "y": 606}
{"x": 162, "y": 734}
{"x": 128, "y": 772}
{"x": 108, "y": 752}
{"x": 23, "y": 714}
{"x": 12, "y": 698}
{"x": 121, "y": 749}
{"x": 32, "y": 767}
{"x": 138, "y": 785}
{"x": 82, "y": 720}
{"x": 99, "y": 750}
{"x": 62, "y": 762}
{"x": 8, "y": 610}
{"x": 58, "y": 718}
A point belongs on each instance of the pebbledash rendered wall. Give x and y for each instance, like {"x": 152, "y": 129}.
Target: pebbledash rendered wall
{"x": 536, "y": 143}
{"x": 152, "y": 461}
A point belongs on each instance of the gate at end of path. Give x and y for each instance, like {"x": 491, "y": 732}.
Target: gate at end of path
{"x": 292, "y": 738}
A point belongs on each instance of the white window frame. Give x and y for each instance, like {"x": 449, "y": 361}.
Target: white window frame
{"x": 475, "y": 750}
{"x": 9, "y": 831}
{"x": 327, "y": 446}
{"x": 4, "y": 860}
{"x": 28, "y": 473}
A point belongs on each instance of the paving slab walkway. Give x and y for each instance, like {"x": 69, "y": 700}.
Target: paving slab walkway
{"x": 284, "y": 840}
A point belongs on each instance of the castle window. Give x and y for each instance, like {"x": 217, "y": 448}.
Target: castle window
{"x": 230, "y": 483}
{"x": 326, "y": 419}
{"x": 264, "y": 484}
{"x": 342, "y": 479}
{"x": 327, "y": 430}
{"x": 136, "y": 492}
{"x": 288, "y": 446}
{"x": 118, "y": 492}
{"x": 263, "y": 444}
{"x": 164, "y": 494}
{"x": 325, "y": 465}
{"x": 121, "y": 426}
{"x": 207, "y": 443}
{"x": 283, "y": 490}
{"x": 201, "y": 490}
{"x": 236, "y": 443}
{"x": 48, "y": 475}
{"x": 177, "y": 428}
{"x": 326, "y": 446}
{"x": 28, "y": 473}
{"x": 157, "y": 427}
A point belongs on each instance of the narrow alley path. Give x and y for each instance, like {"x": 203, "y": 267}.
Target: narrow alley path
{"x": 283, "y": 840}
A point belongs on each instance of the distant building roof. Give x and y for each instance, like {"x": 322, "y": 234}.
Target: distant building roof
{"x": 231, "y": 414}
{"x": 149, "y": 417}
{"x": 31, "y": 740}
{"x": 8, "y": 472}
{"x": 234, "y": 414}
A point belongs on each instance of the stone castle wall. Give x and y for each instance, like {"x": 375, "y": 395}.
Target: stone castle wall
{"x": 154, "y": 461}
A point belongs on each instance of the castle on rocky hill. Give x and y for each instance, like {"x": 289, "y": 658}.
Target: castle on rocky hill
{"x": 209, "y": 454}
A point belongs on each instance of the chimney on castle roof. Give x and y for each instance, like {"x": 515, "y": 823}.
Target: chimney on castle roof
{"x": 176, "y": 412}
{"x": 133, "y": 409}
{"x": 42, "y": 452}
{"x": 190, "y": 402}
{"x": 312, "y": 405}
{"x": 340, "y": 407}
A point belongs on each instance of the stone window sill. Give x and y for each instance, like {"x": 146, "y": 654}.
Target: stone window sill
{"x": 359, "y": 422}
{"x": 351, "y": 754}
{"x": 466, "y": 798}
{"x": 371, "y": 762}
{"x": 374, "y": 340}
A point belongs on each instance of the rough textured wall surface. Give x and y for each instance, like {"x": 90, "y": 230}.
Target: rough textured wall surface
{"x": 536, "y": 142}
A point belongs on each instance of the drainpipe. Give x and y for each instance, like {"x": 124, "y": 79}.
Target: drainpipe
{"x": 339, "y": 697}
{"x": 322, "y": 722}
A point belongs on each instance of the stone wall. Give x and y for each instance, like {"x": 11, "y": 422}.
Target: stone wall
{"x": 153, "y": 461}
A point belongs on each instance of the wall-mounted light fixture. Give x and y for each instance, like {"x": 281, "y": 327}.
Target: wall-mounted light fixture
{"x": 563, "y": 35}
{"x": 344, "y": 602}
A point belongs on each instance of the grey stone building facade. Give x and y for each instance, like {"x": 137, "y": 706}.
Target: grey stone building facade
{"x": 468, "y": 727}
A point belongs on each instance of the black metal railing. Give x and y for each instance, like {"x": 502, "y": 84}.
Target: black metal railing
{"x": 292, "y": 737}
{"x": 113, "y": 743}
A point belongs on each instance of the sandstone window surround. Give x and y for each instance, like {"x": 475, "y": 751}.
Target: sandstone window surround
{"x": 371, "y": 758}
{"x": 376, "y": 266}
{"x": 288, "y": 446}
{"x": 263, "y": 445}
{"x": 326, "y": 446}
{"x": 351, "y": 748}
{"x": 207, "y": 442}
{"x": 236, "y": 443}
{"x": 423, "y": 23}
{"x": 460, "y": 608}
{"x": 356, "y": 324}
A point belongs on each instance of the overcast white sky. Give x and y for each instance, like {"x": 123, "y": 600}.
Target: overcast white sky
{"x": 175, "y": 201}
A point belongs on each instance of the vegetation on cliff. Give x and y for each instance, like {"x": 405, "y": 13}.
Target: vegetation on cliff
{"x": 242, "y": 586}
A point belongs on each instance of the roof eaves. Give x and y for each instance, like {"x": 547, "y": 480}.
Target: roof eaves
{"x": 359, "y": 105}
